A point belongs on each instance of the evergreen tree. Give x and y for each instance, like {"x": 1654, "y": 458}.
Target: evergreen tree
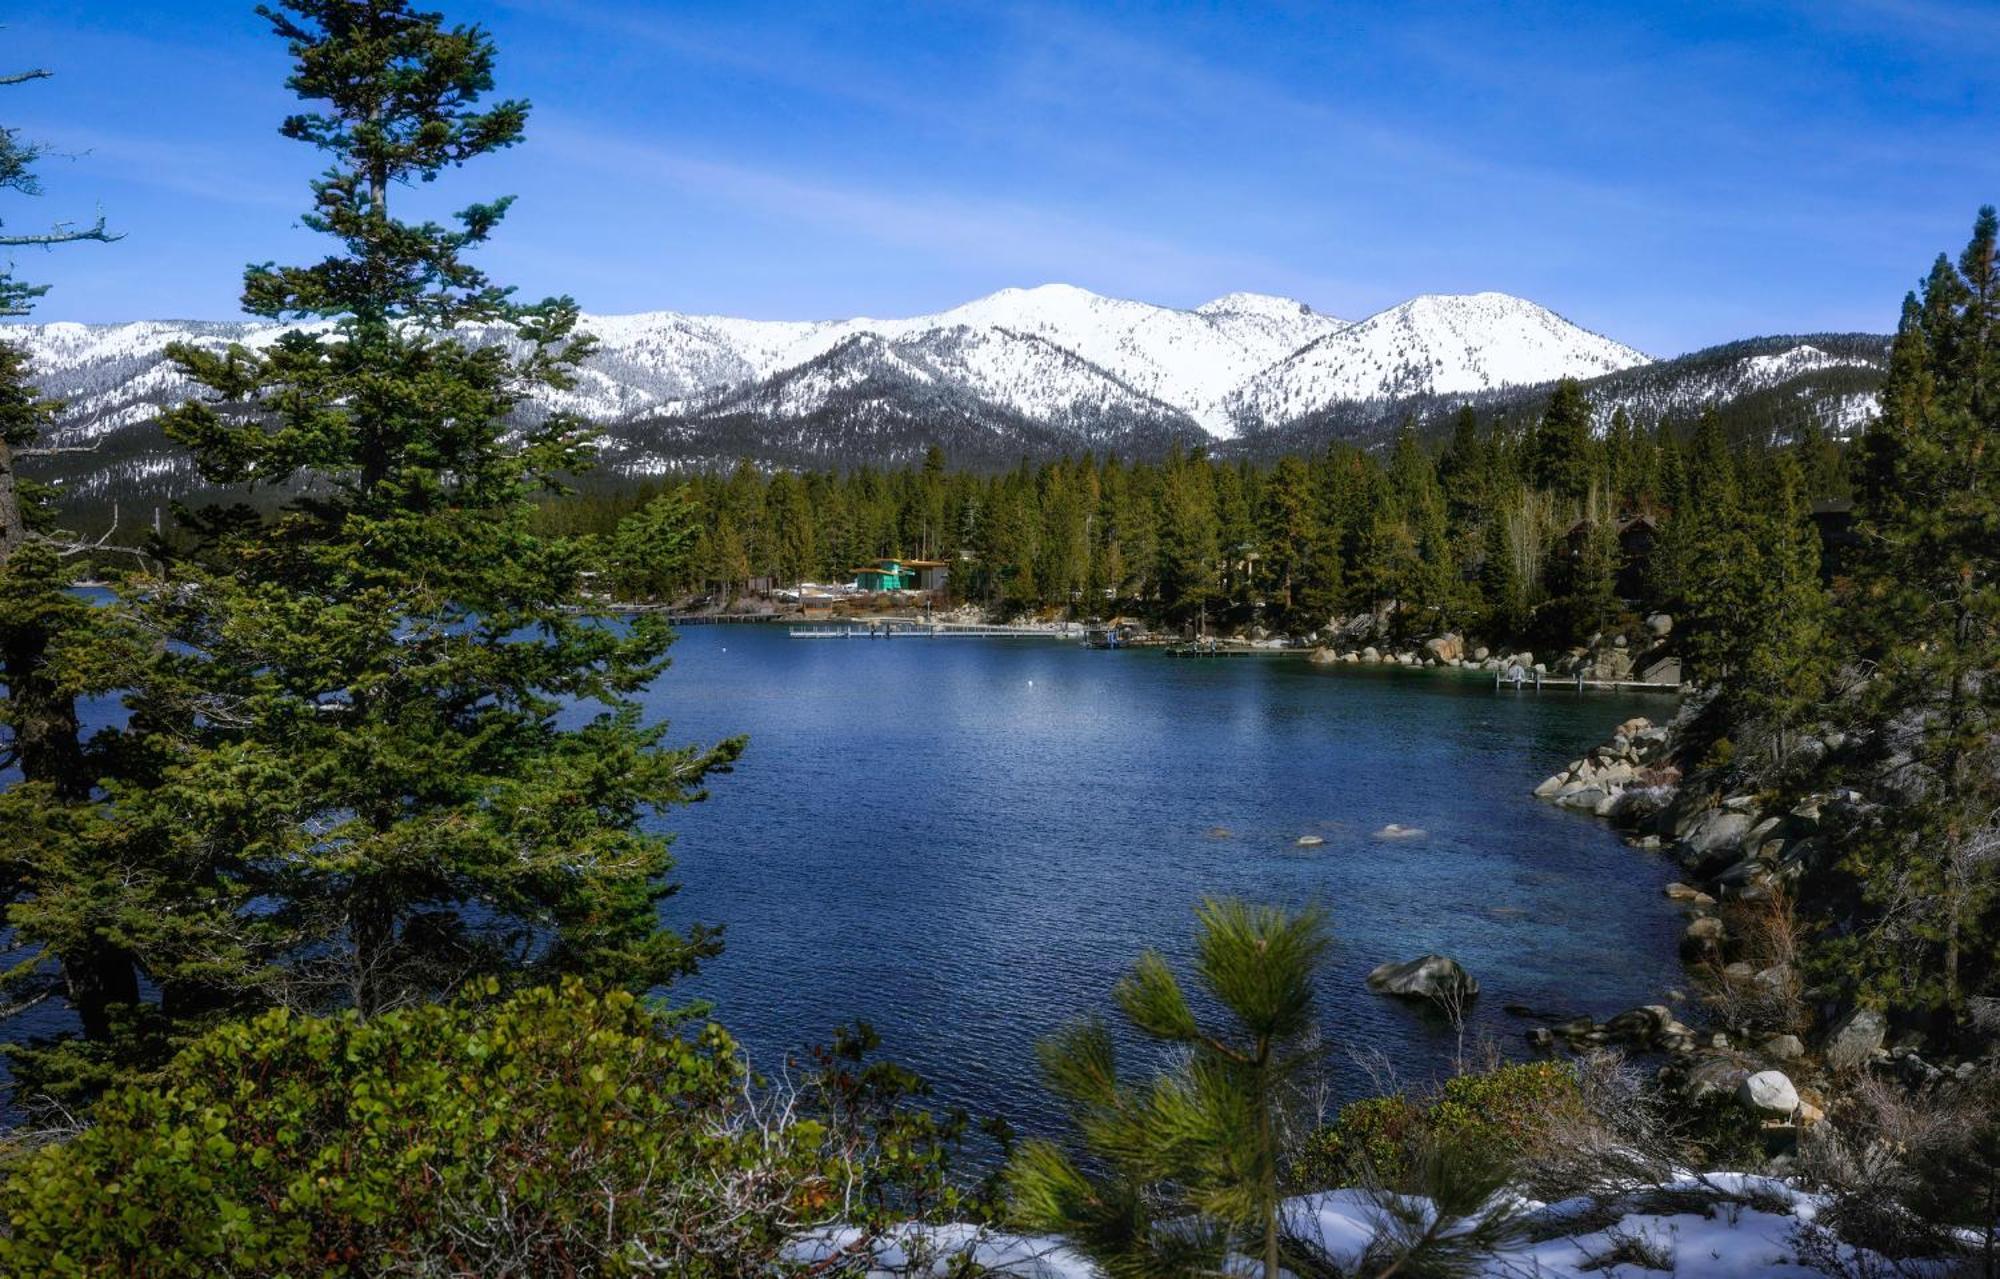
{"x": 1585, "y": 574}
{"x": 1500, "y": 583}
{"x": 1193, "y": 1163}
{"x": 396, "y": 648}
{"x": 1190, "y": 535}
{"x": 652, "y": 552}
{"x": 1288, "y": 531}
{"x": 1562, "y": 450}
{"x": 1929, "y": 605}
{"x": 1788, "y": 648}
{"x": 65, "y": 890}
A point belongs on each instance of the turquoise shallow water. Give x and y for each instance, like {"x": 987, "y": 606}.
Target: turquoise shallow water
{"x": 967, "y": 841}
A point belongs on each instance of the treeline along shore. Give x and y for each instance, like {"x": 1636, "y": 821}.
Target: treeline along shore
{"x": 1520, "y": 536}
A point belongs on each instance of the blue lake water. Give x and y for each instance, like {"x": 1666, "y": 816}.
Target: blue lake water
{"x": 967, "y": 841}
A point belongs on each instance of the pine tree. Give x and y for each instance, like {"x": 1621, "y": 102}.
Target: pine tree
{"x": 1584, "y": 576}
{"x": 652, "y": 551}
{"x": 1928, "y": 586}
{"x": 1562, "y": 450}
{"x": 62, "y": 884}
{"x": 1288, "y": 530}
{"x": 396, "y": 648}
{"x": 1787, "y": 645}
{"x": 1192, "y": 1163}
{"x": 1190, "y": 539}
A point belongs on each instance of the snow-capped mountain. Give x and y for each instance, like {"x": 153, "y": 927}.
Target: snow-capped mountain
{"x": 1768, "y": 388}
{"x": 1431, "y": 345}
{"x": 1021, "y": 372}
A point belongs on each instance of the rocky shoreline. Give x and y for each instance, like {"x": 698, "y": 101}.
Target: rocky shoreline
{"x": 1642, "y": 656}
{"x": 1741, "y": 854}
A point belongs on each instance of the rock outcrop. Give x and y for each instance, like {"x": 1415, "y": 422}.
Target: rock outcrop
{"x": 1436, "y": 977}
{"x": 1853, "y": 1041}
{"x": 1628, "y": 776}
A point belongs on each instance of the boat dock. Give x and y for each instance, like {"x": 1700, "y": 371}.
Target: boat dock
{"x": 1535, "y": 681}
{"x": 893, "y": 629}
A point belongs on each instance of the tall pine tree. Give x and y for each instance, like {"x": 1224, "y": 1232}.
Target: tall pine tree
{"x": 1928, "y": 584}
{"x": 397, "y": 652}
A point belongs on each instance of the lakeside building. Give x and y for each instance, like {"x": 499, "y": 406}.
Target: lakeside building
{"x": 1636, "y": 537}
{"x": 903, "y": 575}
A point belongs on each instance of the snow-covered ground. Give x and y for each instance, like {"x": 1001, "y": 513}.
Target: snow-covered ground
{"x": 1707, "y": 1226}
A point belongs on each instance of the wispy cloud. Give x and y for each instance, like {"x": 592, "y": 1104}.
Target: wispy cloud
{"x": 1025, "y": 241}
{"x": 210, "y": 172}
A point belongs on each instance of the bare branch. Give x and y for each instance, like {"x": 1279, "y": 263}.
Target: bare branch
{"x": 22, "y": 77}
{"x": 70, "y": 544}
{"x": 54, "y": 450}
{"x": 64, "y": 234}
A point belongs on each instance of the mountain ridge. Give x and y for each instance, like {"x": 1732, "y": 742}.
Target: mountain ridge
{"x": 1019, "y": 372}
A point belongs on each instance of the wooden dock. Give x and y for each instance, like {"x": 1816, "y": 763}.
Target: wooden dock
{"x": 885, "y": 630}
{"x": 1535, "y": 681}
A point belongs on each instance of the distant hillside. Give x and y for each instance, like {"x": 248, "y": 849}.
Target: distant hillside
{"x": 1020, "y": 373}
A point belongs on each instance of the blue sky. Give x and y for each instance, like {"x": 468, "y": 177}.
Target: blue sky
{"x": 1671, "y": 174}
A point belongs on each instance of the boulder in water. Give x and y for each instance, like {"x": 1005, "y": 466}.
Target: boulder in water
{"x": 1309, "y": 841}
{"x": 1428, "y": 977}
{"x": 1396, "y": 830}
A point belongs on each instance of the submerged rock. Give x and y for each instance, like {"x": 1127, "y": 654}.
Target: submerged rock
{"x": 1396, "y": 831}
{"x": 1309, "y": 841}
{"x": 1429, "y": 977}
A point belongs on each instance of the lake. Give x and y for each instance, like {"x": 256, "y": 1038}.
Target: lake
{"x": 967, "y": 841}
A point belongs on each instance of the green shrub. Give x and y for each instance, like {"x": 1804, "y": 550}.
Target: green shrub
{"x": 1368, "y": 1142}
{"x": 559, "y": 1132}
{"x": 1504, "y": 1112}
{"x": 1497, "y": 1116}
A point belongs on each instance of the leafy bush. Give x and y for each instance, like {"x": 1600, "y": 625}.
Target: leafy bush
{"x": 1368, "y": 1142}
{"x": 1497, "y": 1116}
{"x": 558, "y": 1132}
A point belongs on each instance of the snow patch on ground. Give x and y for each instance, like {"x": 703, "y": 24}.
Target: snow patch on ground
{"x": 1712, "y": 1226}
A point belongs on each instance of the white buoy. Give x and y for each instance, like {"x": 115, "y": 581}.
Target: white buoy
{"x": 1031, "y": 683}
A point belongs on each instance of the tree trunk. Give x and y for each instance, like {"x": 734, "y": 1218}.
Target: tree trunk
{"x": 13, "y": 530}
{"x": 100, "y": 977}
{"x": 48, "y": 739}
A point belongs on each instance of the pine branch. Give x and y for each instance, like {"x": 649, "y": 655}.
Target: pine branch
{"x": 22, "y": 77}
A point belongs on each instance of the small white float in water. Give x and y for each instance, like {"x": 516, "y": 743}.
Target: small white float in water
{"x": 1397, "y": 831}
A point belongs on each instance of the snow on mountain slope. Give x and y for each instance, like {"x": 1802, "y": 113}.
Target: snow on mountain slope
{"x": 1778, "y": 385}
{"x": 1190, "y": 360}
{"x": 1021, "y": 372}
{"x": 1431, "y": 345}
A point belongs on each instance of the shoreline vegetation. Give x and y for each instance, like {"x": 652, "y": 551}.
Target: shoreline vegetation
{"x": 361, "y": 933}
